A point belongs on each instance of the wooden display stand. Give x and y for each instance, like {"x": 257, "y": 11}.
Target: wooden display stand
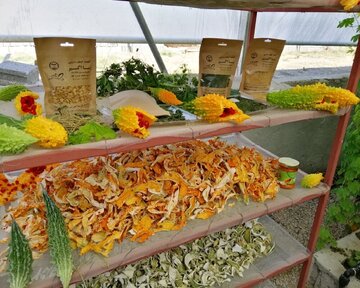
{"x": 128, "y": 252}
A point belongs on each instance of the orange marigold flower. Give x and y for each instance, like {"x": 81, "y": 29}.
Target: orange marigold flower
{"x": 133, "y": 121}
{"x": 217, "y": 108}
{"x": 165, "y": 96}
{"x": 25, "y": 103}
{"x": 8, "y": 190}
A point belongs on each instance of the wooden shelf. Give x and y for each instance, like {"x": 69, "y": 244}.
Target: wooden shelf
{"x": 257, "y": 5}
{"x": 128, "y": 252}
{"x": 158, "y": 136}
{"x": 288, "y": 252}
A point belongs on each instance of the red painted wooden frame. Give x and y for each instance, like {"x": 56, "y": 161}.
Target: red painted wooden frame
{"x": 333, "y": 158}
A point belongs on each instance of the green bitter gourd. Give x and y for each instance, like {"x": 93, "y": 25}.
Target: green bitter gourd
{"x": 317, "y": 96}
{"x": 8, "y": 93}
{"x": 59, "y": 243}
{"x": 20, "y": 258}
{"x": 13, "y": 140}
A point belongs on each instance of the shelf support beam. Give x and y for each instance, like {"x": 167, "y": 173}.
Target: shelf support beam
{"x": 314, "y": 234}
{"x": 343, "y": 121}
{"x": 330, "y": 172}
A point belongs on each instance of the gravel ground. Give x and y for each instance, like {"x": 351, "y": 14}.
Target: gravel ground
{"x": 297, "y": 220}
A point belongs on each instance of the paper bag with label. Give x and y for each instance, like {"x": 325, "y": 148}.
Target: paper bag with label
{"x": 68, "y": 71}
{"x": 259, "y": 66}
{"x": 217, "y": 65}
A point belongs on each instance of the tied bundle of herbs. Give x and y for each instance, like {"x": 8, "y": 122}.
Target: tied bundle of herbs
{"x": 135, "y": 74}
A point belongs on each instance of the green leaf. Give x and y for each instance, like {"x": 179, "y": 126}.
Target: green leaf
{"x": 355, "y": 38}
{"x": 325, "y": 238}
{"x": 347, "y": 22}
{"x": 90, "y": 132}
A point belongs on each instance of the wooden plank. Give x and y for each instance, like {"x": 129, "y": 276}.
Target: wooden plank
{"x": 287, "y": 253}
{"x": 158, "y": 136}
{"x": 266, "y": 284}
{"x": 128, "y": 252}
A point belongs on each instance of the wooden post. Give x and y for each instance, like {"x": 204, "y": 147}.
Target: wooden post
{"x": 330, "y": 172}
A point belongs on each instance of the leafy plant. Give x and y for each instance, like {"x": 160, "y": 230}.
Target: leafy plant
{"x": 135, "y": 74}
{"x": 352, "y": 22}
{"x": 325, "y": 238}
{"x": 91, "y": 131}
{"x": 176, "y": 115}
{"x": 107, "y": 83}
{"x": 353, "y": 260}
{"x": 346, "y": 208}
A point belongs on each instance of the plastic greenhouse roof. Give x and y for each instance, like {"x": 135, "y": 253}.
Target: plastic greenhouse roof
{"x": 114, "y": 21}
{"x": 254, "y": 4}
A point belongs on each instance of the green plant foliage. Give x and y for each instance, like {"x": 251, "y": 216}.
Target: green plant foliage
{"x": 90, "y": 132}
{"x": 135, "y": 74}
{"x": 346, "y": 207}
{"x": 325, "y": 238}
{"x": 352, "y": 22}
{"x": 353, "y": 260}
{"x": 107, "y": 83}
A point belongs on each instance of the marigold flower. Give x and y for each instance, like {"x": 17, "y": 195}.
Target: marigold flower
{"x": 8, "y": 190}
{"x": 349, "y": 4}
{"x": 341, "y": 96}
{"x": 133, "y": 121}
{"x": 50, "y": 133}
{"x": 165, "y": 96}
{"x": 216, "y": 108}
{"x": 311, "y": 180}
{"x": 325, "y": 106}
{"x": 25, "y": 103}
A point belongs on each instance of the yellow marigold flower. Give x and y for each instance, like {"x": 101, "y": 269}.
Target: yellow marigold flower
{"x": 51, "y": 134}
{"x": 165, "y": 96}
{"x": 325, "y": 106}
{"x": 349, "y": 4}
{"x": 133, "y": 121}
{"x": 341, "y": 96}
{"x": 25, "y": 103}
{"x": 216, "y": 108}
{"x": 311, "y": 180}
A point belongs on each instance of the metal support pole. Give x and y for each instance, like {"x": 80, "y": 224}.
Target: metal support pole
{"x": 330, "y": 172}
{"x": 249, "y": 33}
{"x": 149, "y": 39}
